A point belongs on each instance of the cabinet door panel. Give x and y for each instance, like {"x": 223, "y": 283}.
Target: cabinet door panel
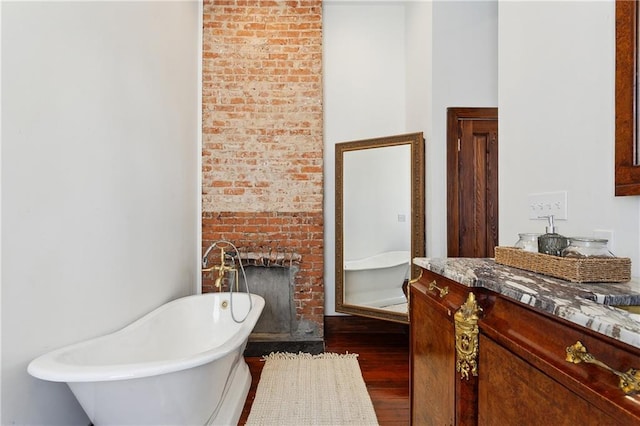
{"x": 513, "y": 392}
{"x": 433, "y": 362}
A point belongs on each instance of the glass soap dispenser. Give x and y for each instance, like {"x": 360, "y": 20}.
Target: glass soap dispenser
{"x": 552, "y": 243}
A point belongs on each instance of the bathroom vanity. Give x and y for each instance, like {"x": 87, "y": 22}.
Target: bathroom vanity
{"x": 489, "y": 346}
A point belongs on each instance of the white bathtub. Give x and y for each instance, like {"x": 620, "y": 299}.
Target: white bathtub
{"x": 376, "y": 280}
{"x": 181, "y": 364}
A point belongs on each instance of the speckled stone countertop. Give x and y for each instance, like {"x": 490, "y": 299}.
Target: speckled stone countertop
{"x": 585, "y": 304}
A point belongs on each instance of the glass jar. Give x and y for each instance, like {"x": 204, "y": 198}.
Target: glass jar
{"x": 580, "y": 247}
{"x": 527, "y": 242}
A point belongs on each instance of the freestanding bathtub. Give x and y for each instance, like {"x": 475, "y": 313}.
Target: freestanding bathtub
{"x": 181, "y": 364}
{"x": 376, "y": 280}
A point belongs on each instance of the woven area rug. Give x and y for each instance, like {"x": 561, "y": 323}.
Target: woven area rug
{"x": 303, "y": 389}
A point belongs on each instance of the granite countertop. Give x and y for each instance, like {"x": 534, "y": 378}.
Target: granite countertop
{"x": 590, "y": 305}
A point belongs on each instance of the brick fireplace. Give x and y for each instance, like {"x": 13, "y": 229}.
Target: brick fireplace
{"x": 262, "y": 140}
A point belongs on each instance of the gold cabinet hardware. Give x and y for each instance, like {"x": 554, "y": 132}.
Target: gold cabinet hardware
{"x": 415, "y": 280}
{"x": 466, "y": 329}
{"x": 443, "y": 291}
{"x": 411, "y": 281}
{"x": 629, "y": 381}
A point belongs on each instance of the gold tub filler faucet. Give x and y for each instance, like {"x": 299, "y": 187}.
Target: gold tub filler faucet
{"x": 222, "y": 268}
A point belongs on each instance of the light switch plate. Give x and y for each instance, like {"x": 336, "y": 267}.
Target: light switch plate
{"x": 547, "y": 204}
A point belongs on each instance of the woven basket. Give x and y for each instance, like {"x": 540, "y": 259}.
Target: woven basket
{"x": 587, "y": 270}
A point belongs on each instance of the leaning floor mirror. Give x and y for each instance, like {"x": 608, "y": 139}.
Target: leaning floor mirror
{"x": 380, "y": 224}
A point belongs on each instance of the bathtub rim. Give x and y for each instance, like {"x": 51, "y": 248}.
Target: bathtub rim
{"x": 390, "y": 259}
{"x": 48, "y": 367}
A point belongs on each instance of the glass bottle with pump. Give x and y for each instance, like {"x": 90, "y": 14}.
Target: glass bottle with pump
{"x": 552, "y": 243}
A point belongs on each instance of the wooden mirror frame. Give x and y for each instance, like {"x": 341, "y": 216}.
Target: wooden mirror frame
{"x": 416, "y": 141}
{"x": 627, "y": 169}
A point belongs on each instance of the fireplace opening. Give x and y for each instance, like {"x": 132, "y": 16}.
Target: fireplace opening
{"x": 275, "y": 285}
{"x": 279, "y": 329}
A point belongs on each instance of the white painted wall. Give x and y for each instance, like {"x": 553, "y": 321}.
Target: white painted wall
{"x": 376, "y": 192}
{"x": 450, "y": 58}
{"x": 465, "y": 74}
{"x": 419, "y": 83}
{"x": 364, "y": 92}
{"x": 557, "y": 74}
{"x": 99, "y": 179}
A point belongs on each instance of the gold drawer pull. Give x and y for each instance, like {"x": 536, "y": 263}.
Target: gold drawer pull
{"x": 443, "y": 291}
{"x": 629, "y": 381}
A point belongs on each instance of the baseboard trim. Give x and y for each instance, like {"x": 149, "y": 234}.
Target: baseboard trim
{"x": 354, "y": 324}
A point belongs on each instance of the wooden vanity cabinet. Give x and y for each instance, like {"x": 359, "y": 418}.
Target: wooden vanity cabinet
{"x": 516, "y": 393}
{"x": 432, "y": 360}
{"x": 523, "y": 376}
{"x": 438, "y": 397}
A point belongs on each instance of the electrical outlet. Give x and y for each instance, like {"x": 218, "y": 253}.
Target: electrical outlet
{"x": 547, "y": 204}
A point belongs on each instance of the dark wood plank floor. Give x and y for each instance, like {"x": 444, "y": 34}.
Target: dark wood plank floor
{"x": 383, "y": 349}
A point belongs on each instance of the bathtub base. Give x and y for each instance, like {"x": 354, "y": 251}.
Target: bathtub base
{"x": 377, "y": 281}
{"x": 181, "y": 364}
{"x": 177, "y": 406}
{"x": 234, "y": 399}
{"x": 377, "y": 298}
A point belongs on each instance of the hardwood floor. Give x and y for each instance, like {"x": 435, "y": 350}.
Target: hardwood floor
{"x": 383, "y": 349}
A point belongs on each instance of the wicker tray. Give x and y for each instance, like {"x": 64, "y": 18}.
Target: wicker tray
{"x": 612, "y": 269}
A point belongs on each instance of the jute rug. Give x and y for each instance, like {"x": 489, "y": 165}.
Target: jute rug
{"x": 303, "y": 389}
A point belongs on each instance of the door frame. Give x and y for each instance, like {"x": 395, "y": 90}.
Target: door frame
{"x": 455, "y": 114}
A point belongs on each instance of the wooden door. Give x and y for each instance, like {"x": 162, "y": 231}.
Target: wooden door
{"x": 472, "y": 182}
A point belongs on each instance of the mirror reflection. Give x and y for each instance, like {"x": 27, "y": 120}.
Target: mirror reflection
{"x": 377, "y": 244}
{"x": 379, "y": 223}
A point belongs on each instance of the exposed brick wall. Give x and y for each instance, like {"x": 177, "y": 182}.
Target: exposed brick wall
{"x": 297, "y": 232}
{"x": 262, "y": 134}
